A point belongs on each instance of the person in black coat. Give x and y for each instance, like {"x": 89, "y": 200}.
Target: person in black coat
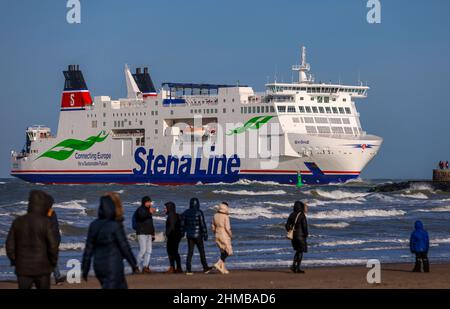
{"x": 193, "y": 224}
{"x": 297, "y": 221}
{"x": 145, "y": 232}
{"x": 173, "y": 235}
{"x": 107, "y": 243}
{"x": 32, "y": 245}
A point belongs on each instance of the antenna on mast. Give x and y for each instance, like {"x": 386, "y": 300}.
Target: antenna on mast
{"x": 303, "y": 69}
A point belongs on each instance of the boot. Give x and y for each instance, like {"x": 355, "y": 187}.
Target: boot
{"x": 146, "y": 270}
{"x": 171, "y": 270}
{"x": 225, "y": 270}
{"x": 417, "y": 268}
{"x": 179, "y": 270}
{"x": 219, "y": 266}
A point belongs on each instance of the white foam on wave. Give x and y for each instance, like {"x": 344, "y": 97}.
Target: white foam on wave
{"x": 291, "y": 204}
{"x": 384, "y": 197}
{"x": 436, "y": 209}
{"x": 246, "y": 192}
{"x": 246, "y": 182}
{"x": 75, "y": 204}
{"x": 337, "y": 225}
{"x": 343, "y": 214}
{"x": 71, "y": 246}
{"x": 2, "y": 251}
{"x": 440, "y": 241}
{"x": 260, "y": 250}
{"x": 338, "y": 194}
{"x": 249, "y": 213}
{"x": 418, "y": 195}
{"x": 2, "y": 183}
{"x": 120, "y": 191}
{"x": 288, "y": 262}
{"x": 350, "y": 242}
{"x": 315, "y": 202}
{"x": 421, "y": 186}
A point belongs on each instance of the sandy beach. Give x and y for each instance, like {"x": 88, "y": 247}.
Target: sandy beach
{"x": 393, "y": 276}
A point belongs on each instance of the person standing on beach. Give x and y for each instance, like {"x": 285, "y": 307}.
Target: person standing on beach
{"x": 419, "y": 245}
{"x": 59, "y": 279}
{"x": 222, "y": 229}
{"x": 193, "y": 224}
{"x": 107, "y": 243}
{"x": 145, "y": 231}
{"x": 32, "y": 245}
{"x": 173, "y": 235}
{"x": 297, "y": 222}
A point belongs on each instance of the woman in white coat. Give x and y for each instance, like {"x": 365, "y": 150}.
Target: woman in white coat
{"x": 222, "y": 229}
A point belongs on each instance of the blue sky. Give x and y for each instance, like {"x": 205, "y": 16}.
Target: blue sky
{"x": 405, "y": 60}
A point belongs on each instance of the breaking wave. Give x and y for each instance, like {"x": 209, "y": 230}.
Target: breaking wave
{"x": 337, "y": 194}
{"x": 436, "y": 209}
{"x": 418, "y": 195}
{"x": 249, "y": 213}
{"x": 75, "y": 246}
{"x": 338, "y": 225}
{"x": 343, "y": 214}
{"x": 75, "y": 204}
{"x": 246, "y": 192}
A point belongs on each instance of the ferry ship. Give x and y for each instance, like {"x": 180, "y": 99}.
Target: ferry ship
{"x": 296, "y": 133}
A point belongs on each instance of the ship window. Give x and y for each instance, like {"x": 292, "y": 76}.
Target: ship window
{"x": 94, "y": 123}
{"x": 295, "y": 120}
{"x": 314, "y": 109}
{"x": 333, "y": 99}
{"x": 312, "y": 98}
{"x": 156, "y": 121}
{"x": 253, "y": 109}
{"x": 347, "y": 110}
{"x": 337, "y": 130}
{"x": 145, "y": 113}
{"x": 156, "y": 103}
{"x": 267, "y": 109}
{"x": 129, "y": 123}
{"x": 311, "y": 129}
{"x": 355, "y": 130}
{"x": 341, "y": 110}
{"x": 335, "y": 110}
{"x": 309, "y": 119}
{"x": 335, "y": 120}
{"x": 122, "y": 124}
{"x": 156, "y": 131}
{"x": 171, "y": 112}
{"x": 258, "y": 109}
{"x": 242, "y": 109}
{"x": 104, "y": 124}
{"x": 232, "y": 100}
{"x": 140, "y": 122}
{"x": 345, "y": 121}
{"x": 344, "y": 100}
{"x": 302, "y": 109}
{"x": 326, "y": 99}
{"x": 215, "y": 110}
{"x": 291, "y": 109}
{"x": 348, "y": 130}
{"x": 321, "y": 119}
{"x": 224, "y": 110}
{"x": 272, "y": 109}
{"x": 323, "y": 129}
{"x": 224, "y": 100}
{"x": 156, "y": 113}
{"x": 281, "y": 108}
{"x": 321, "y": 110}
{"x": 192, "y": 111}
{"x": 115, "y": 123}
{"x": 319, "y": 99}
{"x": 301, "y": 98}
{"x": 308, "y": 109}
{"x": 104, "y": 114}
{"x": 153, "y": 113}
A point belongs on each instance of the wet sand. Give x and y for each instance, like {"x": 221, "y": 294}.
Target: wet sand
{"x": 393, "y": 276}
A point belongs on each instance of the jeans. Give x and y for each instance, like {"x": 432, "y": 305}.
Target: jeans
{"x": 422, "y": 258}
{"x": 192, "y": 242}
{"x": 145, "y": 250}
{"x": 41, "y": 282}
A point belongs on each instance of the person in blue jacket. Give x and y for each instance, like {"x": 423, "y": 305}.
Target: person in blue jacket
{"x": 419, "y": 245}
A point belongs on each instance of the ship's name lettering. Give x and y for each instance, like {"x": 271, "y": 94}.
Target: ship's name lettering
{"x": 149, "y": 164}
{"x": 301, "y": 142}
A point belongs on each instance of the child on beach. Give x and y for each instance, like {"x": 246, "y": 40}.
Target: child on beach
{"x": 222, "y": 228}
{"x": 419, "y": 245}
{"x": 297, "y": 222}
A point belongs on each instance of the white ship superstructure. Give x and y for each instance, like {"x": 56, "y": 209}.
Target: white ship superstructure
{"x": 295, "y": 133}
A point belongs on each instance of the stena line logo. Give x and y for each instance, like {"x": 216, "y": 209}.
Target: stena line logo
{"x": 149, "y": 164}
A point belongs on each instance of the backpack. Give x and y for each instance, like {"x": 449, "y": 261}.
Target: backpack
{"x": 134, "y": 221}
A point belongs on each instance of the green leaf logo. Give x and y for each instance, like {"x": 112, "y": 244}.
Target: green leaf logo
{"x": 66, "y": 148}
{"x": 254, "y": 123}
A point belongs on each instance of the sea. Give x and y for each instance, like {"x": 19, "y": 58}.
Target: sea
{"x": 348, "y": 223}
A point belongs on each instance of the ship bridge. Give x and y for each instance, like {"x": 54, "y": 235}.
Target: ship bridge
{"x": 178, "y": 93}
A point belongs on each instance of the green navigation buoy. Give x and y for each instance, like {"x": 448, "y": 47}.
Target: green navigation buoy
{"x": 299, "y": 180}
